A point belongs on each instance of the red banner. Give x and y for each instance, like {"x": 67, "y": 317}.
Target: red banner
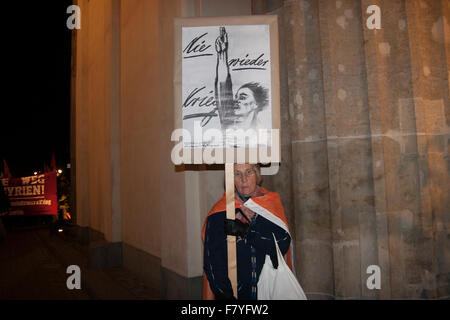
{"x": 34, "y": 195}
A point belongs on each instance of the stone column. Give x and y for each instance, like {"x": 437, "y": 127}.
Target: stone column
{"x": 74, "y": 62}
{"x": 303, "y": 178}
{"x": 368, "y": 120}
{"x": 394, "y": 146}
{"x": 428, "y": 30}
{"x": 113, "y": 221}
{"x": 97, "y": 130}
{"x": 81, "y": 132}
{"x": 348, "y": 146}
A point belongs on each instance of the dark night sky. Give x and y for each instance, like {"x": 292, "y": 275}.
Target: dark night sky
{"x": 35, "y": 108}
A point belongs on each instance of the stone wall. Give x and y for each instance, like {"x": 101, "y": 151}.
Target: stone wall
{"x": 365, "y": 172}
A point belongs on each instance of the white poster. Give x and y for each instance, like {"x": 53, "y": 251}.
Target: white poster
{"x": 226, "y": 85}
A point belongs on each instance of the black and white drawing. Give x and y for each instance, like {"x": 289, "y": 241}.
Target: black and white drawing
{"x": 239, "y": 111}
{"x": 225, "y": 80}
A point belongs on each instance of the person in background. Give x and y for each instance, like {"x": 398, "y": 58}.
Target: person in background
{"x": 4, "y": 209}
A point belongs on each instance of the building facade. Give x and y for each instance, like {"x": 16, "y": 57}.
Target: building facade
{"x": 365, "y": 116}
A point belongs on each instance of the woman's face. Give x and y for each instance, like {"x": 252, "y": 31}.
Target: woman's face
{"x": 244, "y": 179}
{"x": 246, "y": 102}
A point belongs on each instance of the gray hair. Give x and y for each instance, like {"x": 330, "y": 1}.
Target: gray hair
{"x": 257, "y": 169}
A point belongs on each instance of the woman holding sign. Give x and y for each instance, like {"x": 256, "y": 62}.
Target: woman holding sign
{"x": 239, "y": 111}
{"x": 259, "y": 214}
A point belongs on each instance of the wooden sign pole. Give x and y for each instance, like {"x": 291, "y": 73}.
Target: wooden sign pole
{"x": 231, "y": 240}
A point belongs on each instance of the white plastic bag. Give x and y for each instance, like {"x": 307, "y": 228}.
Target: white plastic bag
{"x": 280, "y": 283}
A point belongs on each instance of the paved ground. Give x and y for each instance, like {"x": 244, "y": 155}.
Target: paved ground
{"x": 33, "y": 265}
